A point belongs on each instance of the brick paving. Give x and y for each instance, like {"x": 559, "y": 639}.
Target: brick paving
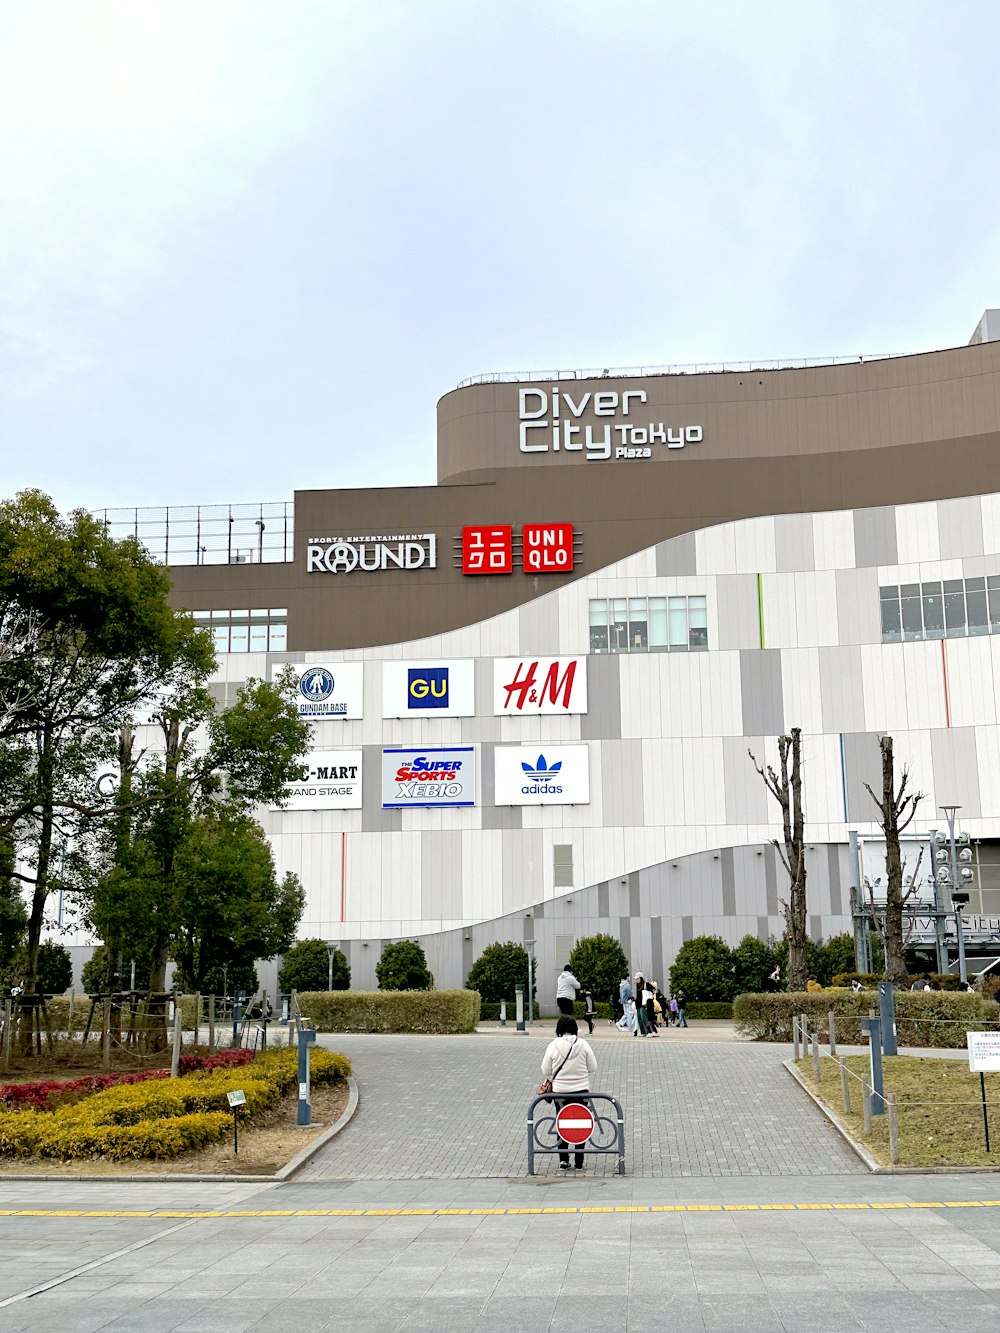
{"x": 454, "y": 1108}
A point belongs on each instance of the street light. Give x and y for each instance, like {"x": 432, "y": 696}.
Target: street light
{"x": 331, "y": 949}
{"x": 958, "y": 901}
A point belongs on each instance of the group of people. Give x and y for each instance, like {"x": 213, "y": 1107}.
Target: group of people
{"x": 643, "y": 1009}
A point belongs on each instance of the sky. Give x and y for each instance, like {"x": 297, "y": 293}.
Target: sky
{"x": 245, "y": 245}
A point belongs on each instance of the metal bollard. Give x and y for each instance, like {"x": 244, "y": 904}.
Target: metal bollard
{"x": 503, "y": 1013}
{"x": 890, "y": 1098}
{"x": 866, "y": 1104}
{"x": 815, "y": 1057}
{"x": 845, "y": 1085}
{"x": 831, "y": 1019}
{"x": 795, "y": 1037}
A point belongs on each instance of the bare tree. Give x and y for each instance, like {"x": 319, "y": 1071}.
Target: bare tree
{"x": 897, "y": 809}
{"x": 786, "y": 788}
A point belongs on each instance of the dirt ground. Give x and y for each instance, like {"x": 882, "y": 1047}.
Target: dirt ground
{"x": 265, "y": 1145}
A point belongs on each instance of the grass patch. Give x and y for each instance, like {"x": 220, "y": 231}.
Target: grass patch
{"x": 940, "y": 1111}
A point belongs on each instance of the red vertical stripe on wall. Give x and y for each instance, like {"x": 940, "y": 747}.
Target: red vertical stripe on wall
{"x": 944, "y": 677}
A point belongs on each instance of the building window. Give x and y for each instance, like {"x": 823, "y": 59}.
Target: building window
{"x": 259, "y": 630}
{"x": 952, "y": 609}
{"x": 648, "y": 624}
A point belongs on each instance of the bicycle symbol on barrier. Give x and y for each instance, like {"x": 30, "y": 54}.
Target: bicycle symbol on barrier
{"x": 585, "y": 1128}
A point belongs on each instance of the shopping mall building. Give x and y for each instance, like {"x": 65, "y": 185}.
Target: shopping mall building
{"x": 534, "y": 686}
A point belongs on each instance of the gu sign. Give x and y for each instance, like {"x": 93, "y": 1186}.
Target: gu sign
{"x": 527, "y": 686}
{"x": 428, "y": 689}
{"x": 345, "y": 555}
{"x": 553, "y": 419}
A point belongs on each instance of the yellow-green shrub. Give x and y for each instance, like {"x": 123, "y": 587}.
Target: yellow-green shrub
{"x": 20, "y": 1133}
{"x": 161, "y": 1139}
{"x": 392, "y": 1010}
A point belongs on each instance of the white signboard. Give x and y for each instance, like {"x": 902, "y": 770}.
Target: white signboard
{"x": 328, "y": 689}
{"x": 541, "y": 774}
{"x": 330, "y": 780}
{"x": 371, "y": 554}
{"x": 428, "y": 689}
{"x": 984, "y": 1051}
{"x": 527, "y": 686}
{"x": 435, "y": 775}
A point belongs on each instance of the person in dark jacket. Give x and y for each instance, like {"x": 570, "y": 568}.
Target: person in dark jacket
{"x": 589, "y": 1010}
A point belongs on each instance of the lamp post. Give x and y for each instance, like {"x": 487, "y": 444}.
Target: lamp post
{"x": 958, "y": 901}
{"x": 959, "y": 880}
{"x": 937, "y": 881}
{"x": 331, "y": 949}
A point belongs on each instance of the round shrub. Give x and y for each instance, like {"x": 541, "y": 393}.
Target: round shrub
{"x": 403, "y": 966}
{"x": 306, "y": 967}
{"x": 598, "y": 962}
{"x": 498, "y": 970}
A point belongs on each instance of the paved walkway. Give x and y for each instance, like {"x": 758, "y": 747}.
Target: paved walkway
{"x": 446, "y": 1107}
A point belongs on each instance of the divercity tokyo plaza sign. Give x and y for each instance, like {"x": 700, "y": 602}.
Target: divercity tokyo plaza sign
{"x": 553, "y": 419}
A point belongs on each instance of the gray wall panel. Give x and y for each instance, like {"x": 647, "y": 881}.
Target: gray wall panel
{"x": 738, "y": 618}
{"x": 858, "y": 617}
{"x": 835, "y": 881}
{"x": 677, "y": 556}
{"x": 863, "y": 763}
{"x": 621, "y": 783}
{"x": 728, "y": 873}
{"x": 494, "y": 816}
{"x": 960, "y": 527}
{"x": 441, "y": 874}
{"x": 373, "y": 818}
{"x": 875, "y": 536}
{"x": 539, "y": 627}
{"x": 604, "y": 702}
{"x": 761, "y": 691}
{"x": 794, "y": 546}
{"x": 956, "y": 770}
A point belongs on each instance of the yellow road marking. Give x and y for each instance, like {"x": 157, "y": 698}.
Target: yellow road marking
{"x": 571, "y": 1209}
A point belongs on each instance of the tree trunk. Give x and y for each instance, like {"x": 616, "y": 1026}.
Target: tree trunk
{"x": 892, "y": 806}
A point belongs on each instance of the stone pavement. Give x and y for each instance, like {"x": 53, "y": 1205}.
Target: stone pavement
{"x": 396, "y": 1238}
{"x": 442, "y": 1107}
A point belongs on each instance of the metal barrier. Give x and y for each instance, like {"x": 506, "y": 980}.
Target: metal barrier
{"x": 608, "y": 1134}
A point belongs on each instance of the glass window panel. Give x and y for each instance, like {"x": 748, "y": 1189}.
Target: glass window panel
{"x": 889, "y": 594}
{"x": 618, "y": 625}
{"x": 657, "y": 622}
{"x": 220, "y": 638}
{"x": 892, "y": 630}
{"x": 910, "y": 590}
{"x": 258, "y": 638}
{"x": 637, "y": 638}
{"x": 975, "y": 599}
{"x": 599, "y": 612}
{"x": 975, "y": 585}
{"x": 278, "y": 636}
{"x": 238, "y": 615}
{"x": 697, "y": 622}
{"x": 259, "y": 613}
{"x": 221, "y": 615}
{"x": 239, "y": 638}
{"x": 599, "y": 625}
{"x": 202, "y": 615}
{"x": 994, "y": 600}
{"x": 954, "y": 610}
{"x": 933, "y": 611}
{"x": 677, "y": 629}
{"x": 279, "y": 613}
{"x": 912, "y": 622}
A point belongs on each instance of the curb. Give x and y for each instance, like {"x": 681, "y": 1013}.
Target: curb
{"x": 286, "y": 1172}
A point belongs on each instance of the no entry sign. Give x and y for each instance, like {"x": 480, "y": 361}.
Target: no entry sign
{"x": 575, "y": 1123}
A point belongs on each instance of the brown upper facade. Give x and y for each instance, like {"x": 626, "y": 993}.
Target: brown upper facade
{"x": 639, "y": 459}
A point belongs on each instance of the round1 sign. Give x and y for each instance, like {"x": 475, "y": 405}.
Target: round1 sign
{"x": 575, "y": 1123}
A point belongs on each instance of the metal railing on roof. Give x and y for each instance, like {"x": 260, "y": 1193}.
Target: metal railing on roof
{"x": 224, "y": 534}
{"x": 690, "y": 368}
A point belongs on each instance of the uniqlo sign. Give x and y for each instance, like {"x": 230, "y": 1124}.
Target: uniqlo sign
{"x": 547, "y": 548}
{"x": 488, "y": 550}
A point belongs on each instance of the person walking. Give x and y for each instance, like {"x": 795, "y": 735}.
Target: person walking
{"x": 651, "y": 1008}
{"x": 615, "y": 1005}
{"x": 662, "y": 1008}
{"x": 682, "y": 1000}
{"x": 640, "y": 1004}
{"x": 589, "y": 1010}
{"x": 568, "y": 1064}
{"x": 626, "y": 997}
{"x": 673, "y": 1011}
{"x": 566, "y": 989}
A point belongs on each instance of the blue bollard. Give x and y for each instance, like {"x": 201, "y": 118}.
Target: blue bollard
{"x": 887, "y": 1013}
{"x": 873, "y": 1027}
{"x": 306, "y": 1038}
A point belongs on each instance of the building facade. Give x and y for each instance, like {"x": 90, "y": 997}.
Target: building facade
{"x": 534, "y": 686}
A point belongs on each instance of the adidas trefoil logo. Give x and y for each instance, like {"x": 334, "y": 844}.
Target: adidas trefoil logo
{"x": 542, "y": 771}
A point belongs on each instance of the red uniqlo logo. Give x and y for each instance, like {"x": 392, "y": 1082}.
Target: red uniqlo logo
{"x": 488, "y": 550}
{"x": 548, "y": 548}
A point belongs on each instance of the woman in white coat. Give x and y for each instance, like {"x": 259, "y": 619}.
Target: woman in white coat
{"x": 569, "y": 1063}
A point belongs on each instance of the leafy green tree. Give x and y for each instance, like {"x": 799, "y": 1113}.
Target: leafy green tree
{"x": 306, "y": 967}
{"x": 54, "y": 969}
{"x": 754, "y": 962}
{"x": 88, "y": 634}
{"x": 598, "y": 962}
{"x": 13, "y": 918}
{"x": 403, "y": 966}
{"x": 231, "y": 979}
{"x": 498, "y": 970}
{"x": 837, "y": 956}
{"x": 705, "y": 969}
{"x": 102, "y": 973}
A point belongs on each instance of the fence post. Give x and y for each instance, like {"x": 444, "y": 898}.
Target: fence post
{"x": 831, "y": 1019}
{"x": 197, "y": 1017}
{"x": 845, "y": 1085}
{"x": 175, "y": 1051}
{"x": 8, "y": 1019}
{"x": 211, "y": 1024}
{"x": 804, "y": 1028}
{"x": 815, "y": 1042}
{"x": 890, "y": 1098}
{"x": 866, "y": 1104}
{"x": 795, "y": 1037}
{"x": 106, "y": 1035}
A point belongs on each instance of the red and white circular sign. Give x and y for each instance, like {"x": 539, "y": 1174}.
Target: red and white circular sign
{"x": 575, "y": 1123}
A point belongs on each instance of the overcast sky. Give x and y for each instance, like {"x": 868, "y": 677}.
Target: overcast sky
{"x": 244, "y": 247}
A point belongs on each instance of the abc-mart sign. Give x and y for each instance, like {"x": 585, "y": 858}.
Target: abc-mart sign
{"x": 552, "y": 419}
{"x": 541, "y": 774}
{"x": 329, "y": 780}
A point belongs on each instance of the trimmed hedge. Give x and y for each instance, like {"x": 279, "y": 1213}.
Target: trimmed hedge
{"x": 162, "y": 1117}
{"x": 923, "y": 1018}
{"x": 708, "y": 1009}
{"x": 392, "y": 1011}
{"x": 946, "y": 980}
